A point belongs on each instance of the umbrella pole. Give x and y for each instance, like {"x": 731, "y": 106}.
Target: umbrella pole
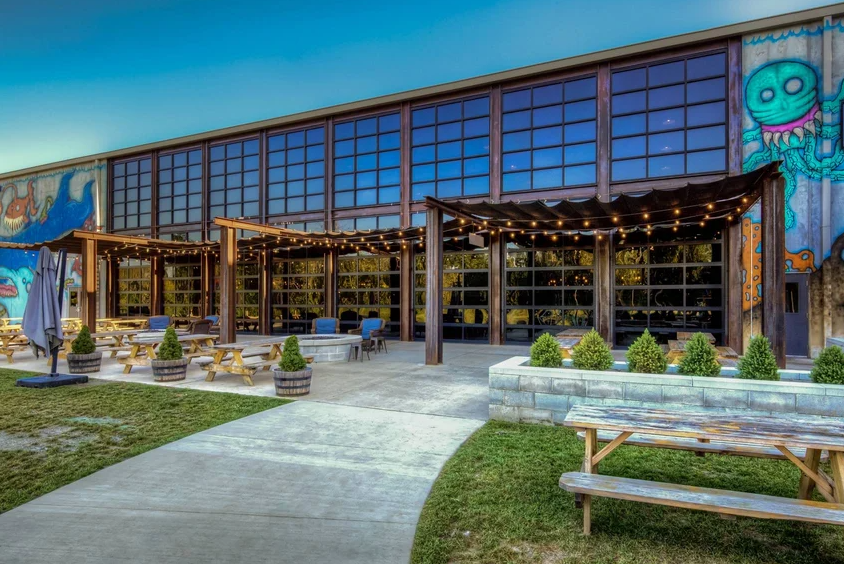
{"x": 62, "y": 266}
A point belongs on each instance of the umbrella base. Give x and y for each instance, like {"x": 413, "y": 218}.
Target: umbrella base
{"x": 52, "y": 380}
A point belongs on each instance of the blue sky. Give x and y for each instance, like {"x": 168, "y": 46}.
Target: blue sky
{"x": 94, "y": 75}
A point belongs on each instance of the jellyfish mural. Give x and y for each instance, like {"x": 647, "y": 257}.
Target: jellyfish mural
{"x": 782, "y": 98}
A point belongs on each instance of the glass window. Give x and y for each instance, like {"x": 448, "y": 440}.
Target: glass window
{"x": 555, "y": 120}
{"x": 296, "y": 171}
{"x": 180, "y": 188}
{"x": 679, "y": 107}
{"x": 446, "y": 135}
{"x": 131, "y": 194}
{"x": 233, "y": 182}
{"x": 366, "y": 161}
{"x": 298, "y": 290}
{"x": 369, "y": 287}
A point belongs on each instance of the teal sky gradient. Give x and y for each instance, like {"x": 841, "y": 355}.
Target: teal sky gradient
{"x": 81, "y": 77}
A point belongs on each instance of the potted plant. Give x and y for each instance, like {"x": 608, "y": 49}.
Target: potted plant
{"x": 292, "y": 376}
{"x": 170, "y": 364}
{"x": 84, "y": 356}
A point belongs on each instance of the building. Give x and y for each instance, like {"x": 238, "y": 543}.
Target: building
{"x": 656, "y": 115}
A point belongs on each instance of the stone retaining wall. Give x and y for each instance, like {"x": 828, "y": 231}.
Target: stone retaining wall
{"x": 544, "y": 395}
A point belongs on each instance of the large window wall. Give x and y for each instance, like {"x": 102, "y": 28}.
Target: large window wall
{"x": 133, "y": 288}
{"x": 670, "y": 118}
{"x": 233, "y": 179}
{"x": 370, "y": 287}
{"x": 247, "y": 295}
{"x": 669, "y": 282}
{"x": 298, "y": 294}
{"x": 366, "y": 161}
{"x": 180, "y": 187}
{"x": 183, "y": 287}
{"x": 296, "y": 171}
{"x": 450, "y": 154}
{"x": 548, "y": 285}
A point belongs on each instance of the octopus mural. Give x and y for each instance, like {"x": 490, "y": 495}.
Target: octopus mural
{"x": 48, "y": 207}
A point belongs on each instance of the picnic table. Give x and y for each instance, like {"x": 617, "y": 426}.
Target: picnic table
{"x": 687, "y": 336}
{"x": 142, "y": 348}
{"x": 677, "y": 348}
{"x": 10, "y": 342}
{"x": 801, "y": 440}
{"x": 119, "y": 323}
{"x": 244, "y": 358}
{"x": 573, "y": 332}
{"x": 118, "y": 341}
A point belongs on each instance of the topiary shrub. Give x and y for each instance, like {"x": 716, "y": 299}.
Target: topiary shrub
{"x": 700, "y": 358}
{"x": 829, "y": 367}
{"x": 645, "y": 356}
{"x": 83, "y": 343}
{"x": 591, "y": 353}
{"x": 545, "y": 352}
{"x": 758, "y": 363}
{"x": 171, "y": 348}
{"x": 291, "y": 359}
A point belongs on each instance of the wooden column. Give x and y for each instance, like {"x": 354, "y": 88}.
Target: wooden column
{"x": 733, "y": 262}
{"x": 228, "y": 281}
{"x": 156, "y": 285}
{"x": 89, "y": 284}
{"x": 406, "y": 264}
{"x": 265, "y": 287}
{"x": 434, "y": 288}
{"x": 332, "y": 262}
{"x": 207, "y": 284}
{"x": 112, "y": 286}
{"x": 773, "y": 265}
{"x": 603, "y": 287}
{"x": 496, "y": 272}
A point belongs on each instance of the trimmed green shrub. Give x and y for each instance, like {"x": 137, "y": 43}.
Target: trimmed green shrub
{"x": 591, "y": 353}
{"x": 829, "y": 366}
{"x": 700, "y": 358}
{"x": 545, "y": 352}
{"x": 645, "y": 356}
{"x": 291, "y": 359}
{"x": 83, "y": 343}
{"x": 758, "y": 362}
{"x": 171, "y": 348}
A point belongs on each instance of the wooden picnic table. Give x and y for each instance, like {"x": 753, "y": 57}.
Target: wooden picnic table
{"x": 677, "y": 348}
{"x": 10, "y": 342}
{"x": 147, "y": 343}
{"x": 737, "y": 434}
{"x": 244, "y": 358}
{"x": 687, "y": 335}
{"x": 118, "y": 341}
{"x": 573, "y": 332}
{"x": 119, "y": 323}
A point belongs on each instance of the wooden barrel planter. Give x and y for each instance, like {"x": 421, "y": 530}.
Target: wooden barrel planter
{"x": 169, "y": 370}
{"x": 289, "y": 384}
{"x": 84, "y": 363}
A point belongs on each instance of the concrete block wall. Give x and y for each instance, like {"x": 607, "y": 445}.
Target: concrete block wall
{"x": 518, "y": 392}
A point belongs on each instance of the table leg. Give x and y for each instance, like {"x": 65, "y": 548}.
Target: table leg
{"x": 218, "y": 358}
{"x": 591, "y": 447}
{"x": 807, "y": 485}
{"x": 127, "y": 368}
{"x": 836, "y": 460}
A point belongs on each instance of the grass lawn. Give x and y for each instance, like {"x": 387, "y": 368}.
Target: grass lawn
{"x": 49, "y": 438}
{"x": 497, "y": 500}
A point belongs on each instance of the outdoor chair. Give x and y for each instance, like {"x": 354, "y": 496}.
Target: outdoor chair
{"x": 159, "y": 322}
{"x": 372, "y": 331}
{"x": 215, "y": 323}
{"x": 200, "y": 327}
{"x": 325, "y": 326}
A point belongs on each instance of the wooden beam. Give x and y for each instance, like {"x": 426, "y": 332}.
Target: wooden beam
{"x": 603, "y": 288}
{"x": 496, "y": 309}
{"x": 773, "y": 265}
{"x": 610, "y": 447}
{"x": 332, "y": 262}
{"x": 112, "y": 286}
{"x": 735, "y": 331}
{"x": 265, "y": 291}
{"x": 89, "y": 283}
{"x": 495, "y": 144}
{"x": 434, "y": 288}
{"x": 156, "y": 285}
{"x": 228, "y": 281}
{"x": 820, "y": 483}
{"x": 406, "y": 269}
{"x": 207, "y": 284}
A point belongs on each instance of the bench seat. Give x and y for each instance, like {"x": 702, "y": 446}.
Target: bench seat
{"x": 703, "y": 499}
{"x": 683, "y": 443}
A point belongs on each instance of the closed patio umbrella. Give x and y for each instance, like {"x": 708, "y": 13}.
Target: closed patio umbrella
{"x": 42, "y": 318}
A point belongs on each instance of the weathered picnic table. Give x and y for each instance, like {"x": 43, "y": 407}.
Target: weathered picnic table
{"x": 11, "y": 342}
{"x": 677, "y": 348}
{"x": 120, "y": 323}
{"x": 245, "y": 358}
{"x": 687, "y": 336}
{"x": 800, "y": 440}
{"x": 198, "y": 345}
{"x": 118, "y": 341}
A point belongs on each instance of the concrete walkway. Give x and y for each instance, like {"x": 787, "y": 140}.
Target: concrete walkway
{"x": 341, "y": 477}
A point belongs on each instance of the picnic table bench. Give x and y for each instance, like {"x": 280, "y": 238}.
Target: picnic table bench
{"x": 147, "y": 343}
{"x": 11, "y": 342}
{"x": 245, "y": 359}
{"x": 677, "y": 348}
{"x": 783, "y": 434}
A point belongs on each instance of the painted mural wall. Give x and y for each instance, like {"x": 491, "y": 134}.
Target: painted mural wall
{"x": 40, "y": 208}
{"x": 793, "y": 91}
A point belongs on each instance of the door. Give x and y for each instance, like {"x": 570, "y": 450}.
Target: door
{"x": 797, "y": 314}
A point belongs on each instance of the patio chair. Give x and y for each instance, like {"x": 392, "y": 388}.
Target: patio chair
{"x": 372, "y": 332}
{"x": 325, "y": 326}
{"x": 215, "y": 323}
{"x": 159, "y": 322}
{"x": 200, "y": 327}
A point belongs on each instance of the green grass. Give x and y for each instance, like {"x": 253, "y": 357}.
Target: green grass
{"x": 63, "y": 434}
{"x": 497, "y": 500}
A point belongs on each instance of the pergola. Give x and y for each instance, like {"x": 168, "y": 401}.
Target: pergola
{"x": 723, "y": 201}
{"x": 89, "y": 245}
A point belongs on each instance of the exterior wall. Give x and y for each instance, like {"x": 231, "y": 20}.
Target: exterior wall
{"x": 544, "y": 395}
{"x": 803, "y": 68}
{"x": 41, "y": 208}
